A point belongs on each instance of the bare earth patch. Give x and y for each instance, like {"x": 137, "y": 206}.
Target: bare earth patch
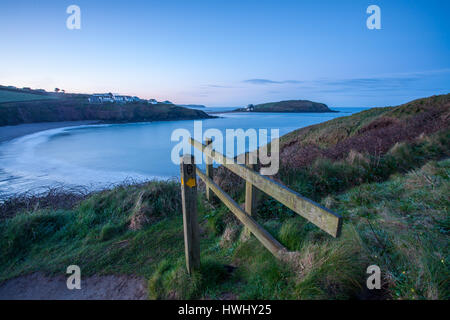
{"x": 37, "y": 286}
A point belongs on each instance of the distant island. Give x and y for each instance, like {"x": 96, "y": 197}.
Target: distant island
{"x": 25, "y": 105}
{"x": 288, "y": 106}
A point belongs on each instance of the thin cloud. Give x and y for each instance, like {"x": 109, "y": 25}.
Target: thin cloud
{"x": 387, "y": 82}
{"x": 391, "y": 82}
{"x": 369, "y": 84}
{"x": 217, "y": 86}
{"x": 267, "y": 81}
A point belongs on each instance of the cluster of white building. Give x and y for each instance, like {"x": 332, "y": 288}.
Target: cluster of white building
{"x": 115, "y": 98}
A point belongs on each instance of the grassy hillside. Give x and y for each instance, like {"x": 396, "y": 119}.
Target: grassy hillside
{"x": 16, "y": 96}
{"x": 394, "y": 203}
{"x": 76, "y": 109}
{"x": 422, "y": 115}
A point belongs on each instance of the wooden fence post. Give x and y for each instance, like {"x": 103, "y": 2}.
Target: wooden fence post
{"x": 250, "y": 192}
{"x": 209, "y": 171}
{"x": 190, "y": 220}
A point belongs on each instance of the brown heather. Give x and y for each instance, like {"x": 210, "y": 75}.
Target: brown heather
{"x": 379, "y": 133}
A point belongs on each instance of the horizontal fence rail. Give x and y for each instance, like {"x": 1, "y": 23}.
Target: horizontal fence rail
{"x": 322, "y": 217}
{"x": 259, "y": 232}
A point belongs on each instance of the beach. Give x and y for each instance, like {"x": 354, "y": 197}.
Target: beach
{"x": 12, "y": 132}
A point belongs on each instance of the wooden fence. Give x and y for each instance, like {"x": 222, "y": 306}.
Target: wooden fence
{"x": 325, "y": 219}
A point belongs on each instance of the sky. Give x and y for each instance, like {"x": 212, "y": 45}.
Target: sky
{"x": 231, "y": 53}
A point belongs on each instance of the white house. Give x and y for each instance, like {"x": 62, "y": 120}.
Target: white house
{"x": 109, "y": 97}
{"x": 122, "y": 99}
{"x": 101, "y": 98}
{"x": 119, "y": 99}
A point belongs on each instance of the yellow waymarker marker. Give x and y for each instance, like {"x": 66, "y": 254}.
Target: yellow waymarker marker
{"x": 191, "y": 183}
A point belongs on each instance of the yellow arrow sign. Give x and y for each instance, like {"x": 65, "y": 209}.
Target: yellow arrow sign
{"x": 191, "y": 183}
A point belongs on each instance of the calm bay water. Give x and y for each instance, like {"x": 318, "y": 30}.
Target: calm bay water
{"x": 100, "y": 155}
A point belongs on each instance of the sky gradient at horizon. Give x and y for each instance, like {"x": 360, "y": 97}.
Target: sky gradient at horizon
{"x": 231, "y": 53}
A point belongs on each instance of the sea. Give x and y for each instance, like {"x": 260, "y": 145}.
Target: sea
{"x": 95, "y": 157}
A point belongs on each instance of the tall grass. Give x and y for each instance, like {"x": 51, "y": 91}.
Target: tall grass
{"x": 97, "y": 233}
{"x": 326, "y": 177}
{"x": 401, "y": 225}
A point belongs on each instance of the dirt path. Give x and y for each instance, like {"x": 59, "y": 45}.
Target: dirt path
{"x": 37, "y": 286}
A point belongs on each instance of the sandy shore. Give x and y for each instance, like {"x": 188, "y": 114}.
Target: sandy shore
{"x": 12, "y": 132}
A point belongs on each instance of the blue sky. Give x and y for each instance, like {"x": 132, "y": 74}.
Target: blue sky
{"x": 231, "y": 53}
